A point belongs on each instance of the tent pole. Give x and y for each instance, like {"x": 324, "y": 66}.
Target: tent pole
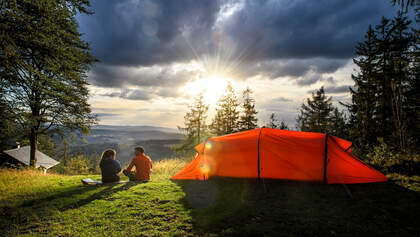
{"x": 258, "y": 158}
{"x": 349, "y": 147}
{"x": 325, "y": 158}
{"x": 204, "y": 158}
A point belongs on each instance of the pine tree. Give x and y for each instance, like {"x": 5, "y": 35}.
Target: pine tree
{"x": 338, "y": 124}
{"x": 380, "y": 102}
{"x": 283, "y": 125}
{"x": 315, "y": 116}
{"x": 248, "y": 120}
{"x": 227, "y": 114}
{"x": 195, "y": 129}
{"x": 273, "y": 122}
{"x": 364, "y": 107}
{"x": 43, "y": 66}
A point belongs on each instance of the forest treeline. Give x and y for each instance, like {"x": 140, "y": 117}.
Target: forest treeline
{"x": 382, "y": 119}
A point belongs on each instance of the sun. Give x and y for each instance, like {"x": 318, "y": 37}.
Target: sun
{"x": 211, "y": 86}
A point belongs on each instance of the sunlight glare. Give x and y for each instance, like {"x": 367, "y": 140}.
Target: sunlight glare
{"x": 212, "y": 87}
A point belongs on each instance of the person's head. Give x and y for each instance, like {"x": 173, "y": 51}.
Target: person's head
{"x": 138, "y": 150}
{"x": 108, "y": 154}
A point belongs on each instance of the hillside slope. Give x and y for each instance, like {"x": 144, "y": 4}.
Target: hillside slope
{"x": 49, "y": 205}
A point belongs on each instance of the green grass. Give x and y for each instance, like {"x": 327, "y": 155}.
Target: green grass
{"x": 35, "y": 204}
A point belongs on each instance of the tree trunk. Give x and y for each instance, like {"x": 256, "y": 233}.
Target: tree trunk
{"x": 33, "y": 141}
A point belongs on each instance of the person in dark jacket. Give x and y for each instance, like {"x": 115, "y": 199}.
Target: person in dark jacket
{"x": 110, "y": 167}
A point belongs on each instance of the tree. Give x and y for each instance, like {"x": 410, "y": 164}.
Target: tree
{"x": 43, "y": 67}
{"x": 227, "y": 114}
{"x": 283, "y": 125}
{"x": 338, "y": 124}
{"x": 364, "y": 108}
{"x": 315, "y": 114}
{"x": 406, "y": 3}
{"x": 195, "y": 129}
{"x": 273, "y": 122}
{"x": 248, "y": 120}
{"x": 384, "y": 88}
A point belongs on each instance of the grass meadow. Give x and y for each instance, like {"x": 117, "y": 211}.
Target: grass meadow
{"x": 37, "y": 204}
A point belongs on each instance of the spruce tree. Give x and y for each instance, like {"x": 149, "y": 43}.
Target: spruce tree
{"x": 43, "y": 67}
{"x": 227, "y": 113}
{"x": 195, "y": 128}
{"x": 315, "y": 115}
{"x": 273, "y": 122}
{"x": 338, "y": 124}
{"x": 248, "y": 120}
{"x": 383, "y": 99}
{"x": 364, "y": 107}
{"x": 283, "y": 125}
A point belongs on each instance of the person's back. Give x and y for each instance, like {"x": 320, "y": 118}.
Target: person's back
{"x": 143, "y": 165}
{"x": 109, "y": 167}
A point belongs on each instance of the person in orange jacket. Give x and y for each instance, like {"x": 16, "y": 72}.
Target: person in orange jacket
{"x": 143, "y": 165}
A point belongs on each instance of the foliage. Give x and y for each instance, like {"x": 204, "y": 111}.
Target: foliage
{"x": 319, "y": 115}
{"x": 227, "y": 114}
{"x": 406, "y": 3}
{"x": 248, "y": 120}
{"x": 387, "y": 160}
{"x": 43, "y": 66}
{"x": 274, "y": 123}
{"x": 315, "y": 114}
{"x": 195, "y": 129}
{"x": 75, "y": 165}
{"x": 36, "y": 204}
{"x": 385, "y": 101}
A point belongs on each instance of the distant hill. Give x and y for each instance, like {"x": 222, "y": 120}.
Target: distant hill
{"x": 157, "y": 141}
{"x": 123, "y": 134}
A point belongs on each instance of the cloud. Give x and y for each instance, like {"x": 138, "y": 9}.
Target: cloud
{"x": 153, "y": 76}
{"x": 144, "y": 32}
{"x": 338, "y": 89}
{"x": 130, "y": 94}
{"x": 139, "y": 41}
{"x": 335, "y": 89}
{"x": 303, "y": 29}
{"x": 106, "y": 114}
{"x": 274, "y": 69}
{"x": 134, "y": 32}
{"x": 281, "y": 99}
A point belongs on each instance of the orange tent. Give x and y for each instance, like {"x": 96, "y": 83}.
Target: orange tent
{"x": 267, "y": 153}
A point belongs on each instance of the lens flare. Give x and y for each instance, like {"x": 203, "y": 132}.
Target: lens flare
{"x": 208, "y": 145}
{"x": 205, "y": 169}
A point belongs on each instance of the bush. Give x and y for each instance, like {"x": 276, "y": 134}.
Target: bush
{"x": 73, "y": 166}
{"x": 385, "y": 159}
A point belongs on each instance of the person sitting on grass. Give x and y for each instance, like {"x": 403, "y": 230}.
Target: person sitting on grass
{"x": 143, "y": 166}
{"x": 110, "y": 167}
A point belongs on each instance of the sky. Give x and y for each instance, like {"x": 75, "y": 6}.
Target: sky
{"x": 156, "y": 56}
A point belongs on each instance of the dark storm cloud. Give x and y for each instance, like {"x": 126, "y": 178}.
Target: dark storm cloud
{"x": 131, "y": 32}
{"x": 119, "y": 76}
{"x": 304, "y": 29}
{"x": 301, "y": 39}
{"x": 291, "y": 67}
{"x": 155, "y": 32}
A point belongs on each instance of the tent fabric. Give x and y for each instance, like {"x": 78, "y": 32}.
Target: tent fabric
{"x": 267, "y": 153}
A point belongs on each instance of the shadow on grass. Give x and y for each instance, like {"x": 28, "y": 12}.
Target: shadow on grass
{"x": 248, "y": 208}
{"x": 39, "y": 208}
